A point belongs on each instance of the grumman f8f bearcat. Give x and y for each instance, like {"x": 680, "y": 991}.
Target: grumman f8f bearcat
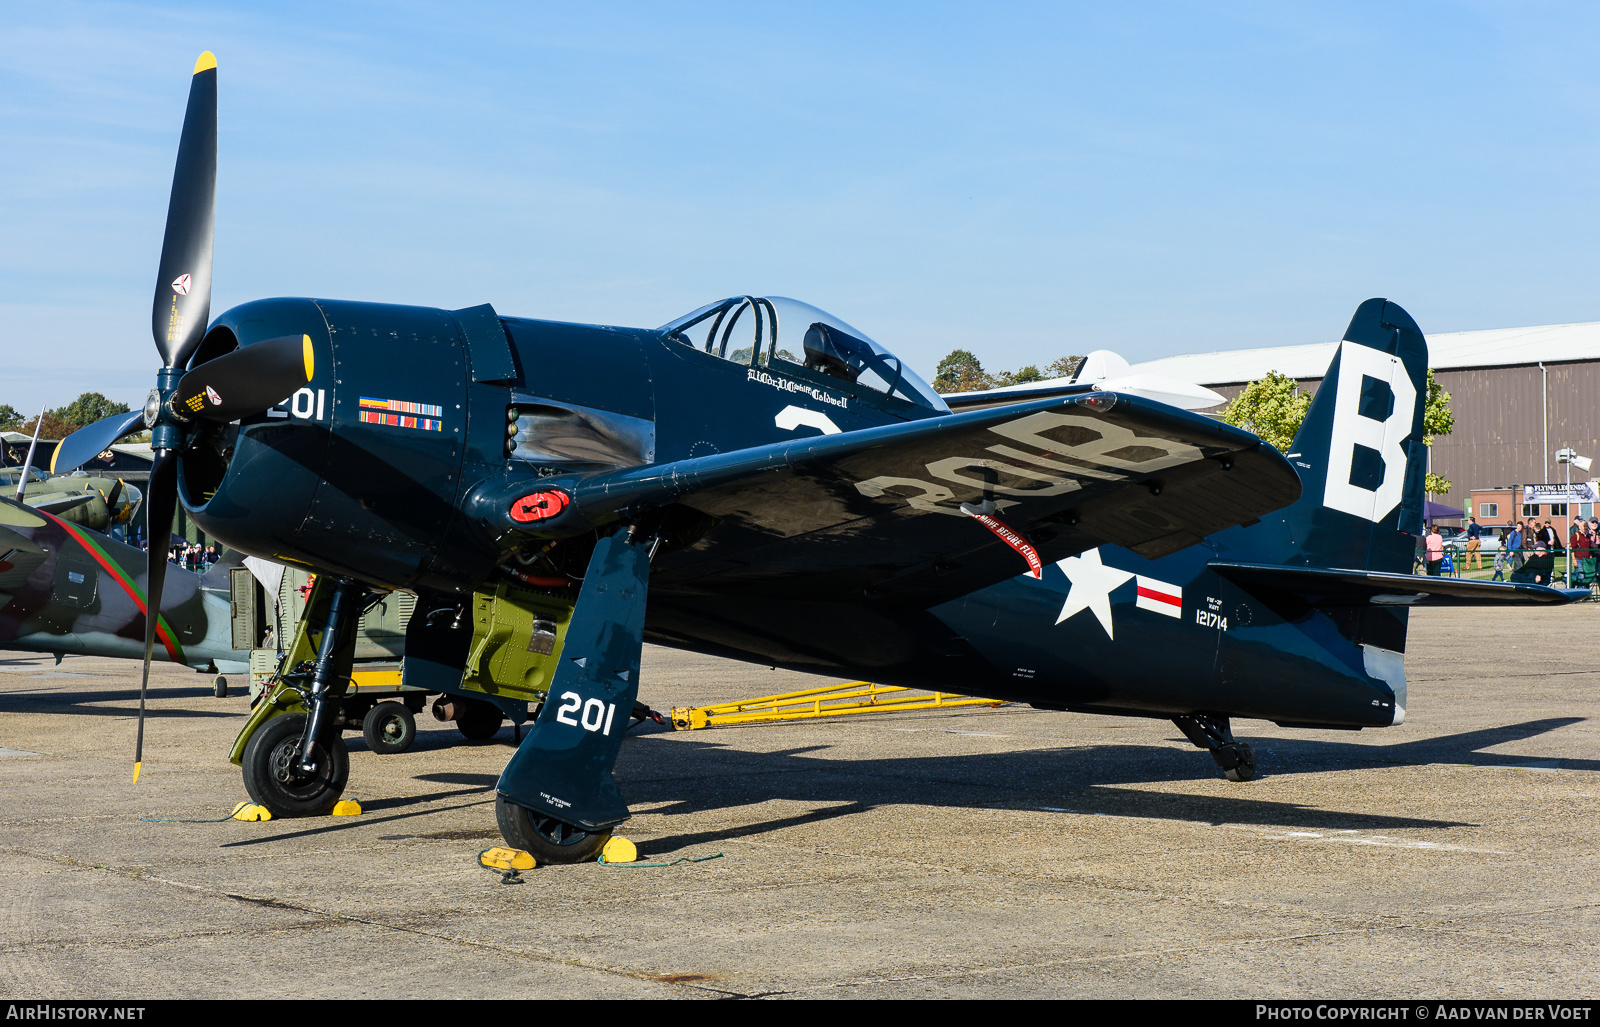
{"x": 760, "y": 480}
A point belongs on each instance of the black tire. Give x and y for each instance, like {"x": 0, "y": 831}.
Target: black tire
{"x": 548, "y": 839}
{"x": 220, "y": 687}
{"x": 273, "y": 779}
{"x": 389, "y": 728}
{"x": 1246, "y": 768}
{"x": 478, "y": 719}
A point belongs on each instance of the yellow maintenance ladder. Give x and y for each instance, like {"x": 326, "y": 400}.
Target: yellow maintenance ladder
{"x": 811, "y": 703}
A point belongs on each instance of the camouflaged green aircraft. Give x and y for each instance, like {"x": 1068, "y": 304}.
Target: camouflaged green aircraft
{"x": 100, "y": 503}
{"x": 67, "y": 588}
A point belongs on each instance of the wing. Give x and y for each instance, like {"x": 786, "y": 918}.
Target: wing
{"x": 20, "y": 556}
{"x": 878, "y": 513}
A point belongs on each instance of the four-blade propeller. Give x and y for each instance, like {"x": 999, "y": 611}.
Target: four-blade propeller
{"x": 186, "y": 400}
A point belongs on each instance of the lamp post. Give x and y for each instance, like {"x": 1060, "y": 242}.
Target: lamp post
{"x": 1569, "y": 456}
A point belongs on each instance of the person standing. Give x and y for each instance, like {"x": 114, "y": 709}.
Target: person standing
{"x": 1474, "y": 544}
{"x": 1514, "y": 547}
{"x": 1435, "y": 550}
{"x": 1580, "y": 556}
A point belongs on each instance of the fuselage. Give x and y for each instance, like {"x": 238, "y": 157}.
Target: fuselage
{"x": 366, "y": 472}
{"x": 1130, "y": 636}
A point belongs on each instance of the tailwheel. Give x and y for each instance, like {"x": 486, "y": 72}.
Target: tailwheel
{"x": 274, "y": 775}
{"x": 1210, "y": 731}
{"x": 548, "y": 839}
{"x": 1245, "y": 768}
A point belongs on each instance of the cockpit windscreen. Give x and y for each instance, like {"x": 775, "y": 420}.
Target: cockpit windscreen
{"x": 772, "y": 331}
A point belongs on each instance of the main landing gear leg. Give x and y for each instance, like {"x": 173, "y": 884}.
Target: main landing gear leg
{"x": 1211, "y": 733}
{"x": 295, "y": 764}
{"x": 556, "y": 798}
{"x": 343, "y": 611}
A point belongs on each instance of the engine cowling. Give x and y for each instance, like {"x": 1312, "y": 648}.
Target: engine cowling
{"x": 360, "y": 472}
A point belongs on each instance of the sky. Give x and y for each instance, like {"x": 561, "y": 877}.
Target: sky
{"x": 1020, "y": 180}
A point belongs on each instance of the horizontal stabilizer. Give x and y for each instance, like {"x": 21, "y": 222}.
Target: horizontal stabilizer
{"x": 1336, "y": 587}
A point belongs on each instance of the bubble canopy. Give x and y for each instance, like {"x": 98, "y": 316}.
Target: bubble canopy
{"x": 773, "y": 331}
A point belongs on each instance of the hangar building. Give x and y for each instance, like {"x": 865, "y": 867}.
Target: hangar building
{"x": 1518, "y": 395}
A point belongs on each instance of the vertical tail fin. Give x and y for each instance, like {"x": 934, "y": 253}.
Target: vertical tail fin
{"x": 1359, "y": 450}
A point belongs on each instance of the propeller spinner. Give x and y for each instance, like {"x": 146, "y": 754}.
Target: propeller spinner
{"x": 239, "y": 384}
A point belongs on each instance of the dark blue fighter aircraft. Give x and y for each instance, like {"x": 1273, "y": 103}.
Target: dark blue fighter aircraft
{"x": 759, "y": 479}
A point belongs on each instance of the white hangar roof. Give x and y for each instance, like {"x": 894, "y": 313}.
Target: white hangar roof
{"x": 1497, "y": 347}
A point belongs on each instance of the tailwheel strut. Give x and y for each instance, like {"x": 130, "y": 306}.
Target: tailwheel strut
{"x": 1211, "y": 732}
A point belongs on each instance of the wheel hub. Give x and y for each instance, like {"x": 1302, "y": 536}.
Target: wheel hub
{"x": 286, "y": 763}
{"x": 557, "y": 832}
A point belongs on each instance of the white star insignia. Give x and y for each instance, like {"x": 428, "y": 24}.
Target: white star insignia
{"x": 1092, "y": 583}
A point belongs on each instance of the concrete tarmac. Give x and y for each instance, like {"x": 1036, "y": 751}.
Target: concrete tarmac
{"x": 993, "y": 853}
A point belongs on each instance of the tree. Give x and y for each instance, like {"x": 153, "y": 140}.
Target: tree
{"x": 87, "y": 409}
{"x": 1021, "y": 376}
{"x": 1436, "y": 420}
{"x": 1063, "y": 367}
{"x": 1272, "y": 408}
{"x": 54, "y": 427}
{"x": 961, "y": 372}
{"x": 10, "y": 417}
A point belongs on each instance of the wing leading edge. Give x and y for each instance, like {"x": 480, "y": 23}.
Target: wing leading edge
{"x": 877, "y": 514}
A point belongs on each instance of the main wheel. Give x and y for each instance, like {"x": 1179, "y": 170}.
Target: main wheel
{"x": 272, "y": 773}
{"x": 478, "y": 719}
{"x": 1246, "y": 768}
{"x": 389, "y": 728}
{"x": 550, "y": 840}
{"x": 219, "y": 687}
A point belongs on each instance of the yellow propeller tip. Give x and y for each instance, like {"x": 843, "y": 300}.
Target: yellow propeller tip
{"x": 136, "y": 768}
{"x": 207, "y": 62}
{"x": 309, "y": 354}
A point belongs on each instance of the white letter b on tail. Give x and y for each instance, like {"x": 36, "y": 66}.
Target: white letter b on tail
{"x": 1368, "y": 442}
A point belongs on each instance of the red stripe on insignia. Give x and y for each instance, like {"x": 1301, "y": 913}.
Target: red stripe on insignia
{"x": 1160, "y": 597}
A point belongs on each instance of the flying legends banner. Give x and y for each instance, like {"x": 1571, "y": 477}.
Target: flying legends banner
{"x": 1577, "y": 492}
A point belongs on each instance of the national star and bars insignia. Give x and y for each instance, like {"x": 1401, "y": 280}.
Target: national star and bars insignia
{"x": 400, "y": 413}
